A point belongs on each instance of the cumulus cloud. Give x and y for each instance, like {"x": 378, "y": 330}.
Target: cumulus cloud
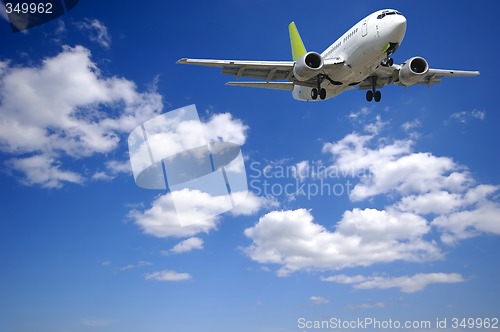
{"x": 434, "y": 187}
{"x": 407, "y": 284}
{"x": 162, "y": 218}
{"x": 46, "y": 114}
{"x": 362, "y": 237}
{"x": 393, "y": 167}
{"x": 168, "y": 275}
{"x": 225, "y": 127}
{"x": 425, "y": 195}
{"x": 482, "y": 217}
{"x": 202, "y": 186}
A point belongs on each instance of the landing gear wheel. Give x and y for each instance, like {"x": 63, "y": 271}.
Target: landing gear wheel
{"x": 322, "y": 93}
{"x": 314, "y": 93}
{"x": 377, "y": 96}
{"x": 369, "y": 95}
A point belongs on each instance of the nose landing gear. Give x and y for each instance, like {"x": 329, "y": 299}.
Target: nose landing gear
{"x": 390, "y": 49}
{"x": 387, "y": 62}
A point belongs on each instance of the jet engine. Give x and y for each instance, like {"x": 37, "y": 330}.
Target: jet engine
{"x": 412, "y": 70}
{"x": 308, "y": 66}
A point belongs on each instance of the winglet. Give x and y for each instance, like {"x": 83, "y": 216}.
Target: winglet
{"x": 296, "y": 43}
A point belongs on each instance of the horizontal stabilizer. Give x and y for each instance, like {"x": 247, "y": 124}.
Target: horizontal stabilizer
{"x": 265, "y": 85}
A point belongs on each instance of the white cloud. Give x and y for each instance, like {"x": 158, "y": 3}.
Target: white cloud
{"x": 376, "y": 127}
{"x": 427, "y": 185}
{"x": 366, "y": 306}
{"x": 361, "y": 114}
{"x": 444, "y": 202}
{"x": 362, "y": 238}
{"x": 250, "y": 204}
{"x": 393, "y": 167}
{"x": 302, "y": 170}
{"x": 98, "y": 32}
{"x": 198, "y": 203}
{"x": 407, "y": 284}
{"x": 226, "y": 128}
{"x": 44, "y": 171}
{"x": 318, "y": 300}
{"x": 116, "y": 166}
{"x": 437, "y": 202}
{"x": 101, "y": 176}
{"x": 162, "y": 218}
{"x": 424, "y": 195}
{"x": 137, "y": 265}
{"x": 409, "y": 125}
{"x": 46, "y": 114}
{"x": 192, "y": 243}
{"x": 168, "y": 275}
{"x": 113, "y": 168}
{"x": 465, "y": 116}
{"x": 483, "y": 218}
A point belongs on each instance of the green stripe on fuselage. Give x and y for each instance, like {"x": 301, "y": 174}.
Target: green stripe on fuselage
{"x": 386, "y": 47}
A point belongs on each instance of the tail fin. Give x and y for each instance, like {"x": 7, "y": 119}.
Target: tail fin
{"x": 296, "y": 43}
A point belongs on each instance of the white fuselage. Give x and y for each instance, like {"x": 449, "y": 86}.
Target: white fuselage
{"x": 363, "y": 48}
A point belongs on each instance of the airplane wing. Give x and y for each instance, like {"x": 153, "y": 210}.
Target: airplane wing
{"x": 270, "y": 71}
{"x": 265, "y": 70}
{"x": 265, "y": 85}
{"x": 390, "y": 75}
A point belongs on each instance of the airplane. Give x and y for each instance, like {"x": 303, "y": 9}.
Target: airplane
{"x": 361, "y": 57}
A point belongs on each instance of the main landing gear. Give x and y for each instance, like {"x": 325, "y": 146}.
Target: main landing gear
{"x": 370, "y": 95}
{"x": 321, "y": 93}
{"x": 373, "y": 93}
{"x": 318, "y": 91}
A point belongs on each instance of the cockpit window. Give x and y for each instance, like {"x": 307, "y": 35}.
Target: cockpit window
{"x": 388, "y": 12}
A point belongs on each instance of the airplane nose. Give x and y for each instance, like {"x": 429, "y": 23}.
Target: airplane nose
{"x": 400, "y": 24}
{"x": 398, "y": 28}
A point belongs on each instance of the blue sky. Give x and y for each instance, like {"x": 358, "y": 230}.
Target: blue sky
{"x": 411, "y": 234}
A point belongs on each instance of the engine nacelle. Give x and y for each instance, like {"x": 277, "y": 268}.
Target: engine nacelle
{"x": 308, "y": 66}
{"x": 412, "y": 70}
